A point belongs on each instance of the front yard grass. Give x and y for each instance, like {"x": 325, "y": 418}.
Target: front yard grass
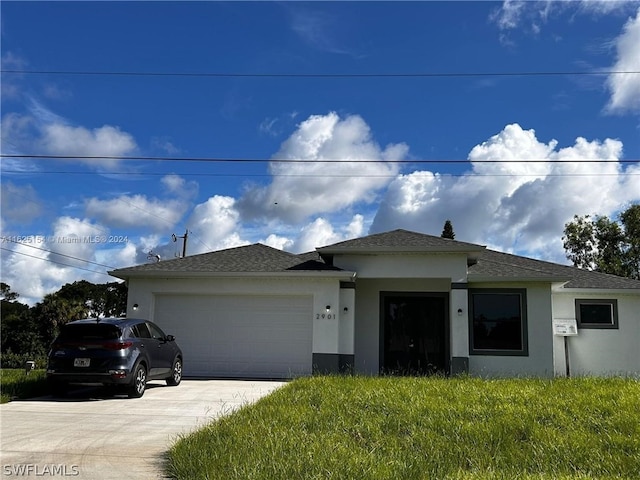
{"x": 15, "y": 383}
{"x": 423, "y": 428}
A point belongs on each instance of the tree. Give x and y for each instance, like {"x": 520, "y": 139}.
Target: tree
{"x": 7, "y": 294}
{"x": 447, "y": 231}
{"x": 30, "y": 330}
{"x": 603, "y": 245}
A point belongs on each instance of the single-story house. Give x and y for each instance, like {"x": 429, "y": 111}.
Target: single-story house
{"x": 394, "y": 302}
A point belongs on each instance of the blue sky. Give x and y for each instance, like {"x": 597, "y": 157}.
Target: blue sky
{"x": 188, "y": 80}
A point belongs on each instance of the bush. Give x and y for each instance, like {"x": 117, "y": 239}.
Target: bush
{"x": 17, "y": 360}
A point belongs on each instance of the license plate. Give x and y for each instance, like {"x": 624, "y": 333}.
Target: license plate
{"x": 81, "y": 362}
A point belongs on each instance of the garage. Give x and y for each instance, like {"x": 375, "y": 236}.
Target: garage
{"x": 261, "y": 336}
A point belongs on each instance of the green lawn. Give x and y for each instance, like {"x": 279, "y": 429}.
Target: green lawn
{"x": 14, "y": 383}
{"x": 423, "y": 428}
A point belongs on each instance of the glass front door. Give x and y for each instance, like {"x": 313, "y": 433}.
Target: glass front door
{"x": 414, "y": 333}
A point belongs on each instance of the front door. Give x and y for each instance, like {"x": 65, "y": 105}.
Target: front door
{"x": 414, "y": 333}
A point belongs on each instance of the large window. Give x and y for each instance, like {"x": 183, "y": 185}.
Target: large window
{"x": 498, "y": 322}
{"x": 592, "y": 313}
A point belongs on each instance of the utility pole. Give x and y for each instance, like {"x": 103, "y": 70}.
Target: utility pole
{"x": 184, "y": 237}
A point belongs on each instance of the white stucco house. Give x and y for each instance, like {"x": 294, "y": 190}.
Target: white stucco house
{"x": 396, "y": 302}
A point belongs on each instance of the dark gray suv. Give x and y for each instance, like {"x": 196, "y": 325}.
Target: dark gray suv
{"x": 125, "y": 352}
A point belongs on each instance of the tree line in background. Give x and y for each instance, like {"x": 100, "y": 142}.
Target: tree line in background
{"x": 603, "y": 245}
{"x": 28, "y": 331}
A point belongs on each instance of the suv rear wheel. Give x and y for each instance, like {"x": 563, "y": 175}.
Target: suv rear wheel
{"x": 176, "y": 373}
{"x": 139, "y": 382}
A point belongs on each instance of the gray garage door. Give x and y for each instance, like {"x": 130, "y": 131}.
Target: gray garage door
{"x": 240, "y": 336}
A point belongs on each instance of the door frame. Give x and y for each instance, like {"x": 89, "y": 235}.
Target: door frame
{"x": 383, "y": 295}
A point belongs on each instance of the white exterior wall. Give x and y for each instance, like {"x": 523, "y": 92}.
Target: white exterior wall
{"x": 330, "y": 332}
{"x": 539, "y": 361}
{"x": 599, "y": 351}
{"x": 452, "y": 266}
{"x": 459, "y": 323}
{"x": 403, "y": 272}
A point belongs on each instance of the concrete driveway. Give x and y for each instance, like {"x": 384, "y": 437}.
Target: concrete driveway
{"x": 90, "y": 435}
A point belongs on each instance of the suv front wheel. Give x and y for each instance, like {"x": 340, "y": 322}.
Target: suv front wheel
{"x": 176, "y": 373}
{"x": 139, "y": 382}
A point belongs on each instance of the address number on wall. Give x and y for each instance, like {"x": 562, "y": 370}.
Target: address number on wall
{"x": 326, "y": 316}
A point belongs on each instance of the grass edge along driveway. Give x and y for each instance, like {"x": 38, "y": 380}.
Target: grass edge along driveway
{"x": 423, "y": 428}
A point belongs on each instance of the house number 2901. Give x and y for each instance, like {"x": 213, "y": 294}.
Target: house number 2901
{"x": 327, "y": 316}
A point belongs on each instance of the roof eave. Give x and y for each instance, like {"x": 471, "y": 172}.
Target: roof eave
{"x": 520, "y": 279}
{"x": 282, "y": 274}
{"x": 597, "y": 290}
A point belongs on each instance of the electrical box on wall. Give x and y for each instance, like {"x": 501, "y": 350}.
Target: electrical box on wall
{"x": 565, "y": 327}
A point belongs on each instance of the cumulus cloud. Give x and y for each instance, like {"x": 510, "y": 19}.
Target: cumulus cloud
{"x": 45, "y": 132}
{"x": 625, "y": 87}
{"x": 518, "y": 195}
{"x": 137, "y": 211}
{"x": 214, "y": 225}
{"x": 42, "y": 264}
{"x": 304, "y": 186}
{"x": 321, "y": 232}
{"x": 107, "y": 141}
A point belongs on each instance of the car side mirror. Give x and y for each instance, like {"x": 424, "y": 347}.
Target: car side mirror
{"x": 169, "y": 338}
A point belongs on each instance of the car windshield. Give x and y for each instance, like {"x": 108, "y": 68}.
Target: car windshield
{"x": 89, "y": 331}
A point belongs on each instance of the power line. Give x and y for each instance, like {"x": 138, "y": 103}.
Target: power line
{"x": 53, "y": 261}
{"x": 301, "y": 160}
{"x": 310, "y": 175}
{"x": 317, "y": 75}
{"x": 9, "y": 239}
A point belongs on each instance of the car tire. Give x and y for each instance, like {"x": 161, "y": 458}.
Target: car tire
{"x": 176, "y": 373}
{"x": 138, "y": 382}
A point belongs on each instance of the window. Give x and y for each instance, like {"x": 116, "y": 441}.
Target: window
{"x": 156, "y": 332}
{"x": 592, "y": 313}
{"x": 141, "y": 331}
{"x": 498, "y": 322}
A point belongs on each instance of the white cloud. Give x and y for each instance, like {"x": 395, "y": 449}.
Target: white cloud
{"x": 214, "y": 225}
{"x": 177, "y": 185}
{"x": 625, "y": 87}
{"x": 276, "y": 241}
{"x": 137, "y": 211}
{"x": 307, "y": 187}
{"x": 321, "y": 232}
{"x": 9, "y": 87}
{"x": 514, "y": 205}
{"x": 108, "y": 141}
{"x": 42, "y": 266}
{"x": 20, "y": 204}
{"x": 45, "y": 132}
{"x": 513, "y": 14}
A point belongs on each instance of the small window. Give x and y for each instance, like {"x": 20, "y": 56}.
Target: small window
{"x": 498, "y": 322}
{"x": 592, "y": 313}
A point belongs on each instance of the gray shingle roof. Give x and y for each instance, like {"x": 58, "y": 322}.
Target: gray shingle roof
{"x": 503, "y": 266}
{"x": 491, "y": 265}
{"x": 246, "y": 259}
{"x": 401, "y": 240}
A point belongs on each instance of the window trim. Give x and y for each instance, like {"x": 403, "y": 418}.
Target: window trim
{"x": 613, "y": 302}
{"x": 522, "y": 292}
